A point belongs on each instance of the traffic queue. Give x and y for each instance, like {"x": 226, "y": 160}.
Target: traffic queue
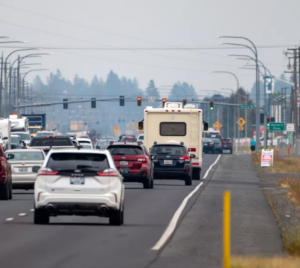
{"x": 71, "y": 175}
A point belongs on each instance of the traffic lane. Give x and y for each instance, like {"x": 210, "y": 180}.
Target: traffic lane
{"x": 79, "y": 241}
{"x": 22, "y": 202}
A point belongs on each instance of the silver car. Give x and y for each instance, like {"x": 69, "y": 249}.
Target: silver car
{"x": 25, "y": 165}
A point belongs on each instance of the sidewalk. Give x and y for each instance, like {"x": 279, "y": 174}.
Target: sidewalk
{"x": 254, "y": 230}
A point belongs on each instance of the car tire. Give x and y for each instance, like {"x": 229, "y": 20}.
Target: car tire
{"x": 188, "y": 181}
{"x": 152, "y": 183}
{"x": 41, "y": 217}
{"x": 10, "y": 191}
{"x": 147, "y": 184}
{"x": 196, "y": 174}
{"x": 4, "y": 192}
{"x": 116, "y": 217}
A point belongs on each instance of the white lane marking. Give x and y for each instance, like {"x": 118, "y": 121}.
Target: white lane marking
{"x": 22, "y": 214}
{"x": 207, "y": 171}
{"x": 32, "y": 209}
{"x": 9, "y": 219}
{"x": 171, "y": 227}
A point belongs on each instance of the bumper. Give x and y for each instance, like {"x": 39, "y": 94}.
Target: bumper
{"x": 180, "y": 174}
{"x": 135, "y": 177}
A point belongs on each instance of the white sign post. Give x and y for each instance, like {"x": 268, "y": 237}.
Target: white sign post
{"x": 290, "y": 127}
{"x": 267, "y": 157}
{"x": 269, "y": 84}
{"x": 151, "y": 99}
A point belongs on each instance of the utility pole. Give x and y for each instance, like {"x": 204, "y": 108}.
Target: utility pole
{"x": 1, "y": 82}
{"x": 19, "y": 86}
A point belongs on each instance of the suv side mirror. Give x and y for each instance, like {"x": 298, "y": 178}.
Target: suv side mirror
{"x": 4, "y": 138}
{"x": 192, "y": 156}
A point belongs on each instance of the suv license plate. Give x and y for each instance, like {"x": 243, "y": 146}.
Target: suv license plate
{"x": 124, "y": 170}
{"x": 23, "y": 170}
{"x": 123, "y": 163}
{"x": 168, "y": 162}
{"x": 77, "y": 180}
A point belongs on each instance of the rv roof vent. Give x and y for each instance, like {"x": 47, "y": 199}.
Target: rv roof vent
{"x": 190, "y": 106}
{"x": 149, "y": 107}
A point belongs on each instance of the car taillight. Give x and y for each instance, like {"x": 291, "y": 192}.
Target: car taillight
{"x": 211, "y": 143}
{"x": 143, "y": 160}
{"x": 47, "y": 171}
{"x": 192, "y": 149}
{"x": 185, "y": 157}
{"x": 50, "y": 136}
{"x": 108, "y": 173}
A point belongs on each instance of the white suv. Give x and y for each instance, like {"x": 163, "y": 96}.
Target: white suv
{"x": 79, "y": 182}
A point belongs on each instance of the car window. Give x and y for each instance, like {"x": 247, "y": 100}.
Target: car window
{"x": 141, "y": 137}
{"x": 78, "y": 161}
{"x": 125, "y": 150}
{"x": 169, "y": 150}
{"x": 44, "y": 134}
{"x": 51, "y": 142}
{"x": 172, "y": 129}
{"x": 86, "y": 145}
{"x": 216, "y": 141}
{"x": 24, "y": 136}
{"x": 23, "y": 156}
{"x": 15, "y": 139}
{"x": 226, "y": 140}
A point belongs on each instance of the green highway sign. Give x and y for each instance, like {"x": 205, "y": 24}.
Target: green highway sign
{"x": 276, "y": 127}
{"x": 246, "y": 106}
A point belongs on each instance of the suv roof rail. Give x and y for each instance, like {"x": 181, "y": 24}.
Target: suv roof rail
{"x": 182, "y": 143}
{"x": 139, "y": 142}
{"x": 155, "y": 143}
{"x": 111, "y": 143}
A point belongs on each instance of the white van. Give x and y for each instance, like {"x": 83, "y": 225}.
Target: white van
{"x": 173, "y": 122}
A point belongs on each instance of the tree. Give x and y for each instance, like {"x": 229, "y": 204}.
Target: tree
{"x": 152, "y": 91}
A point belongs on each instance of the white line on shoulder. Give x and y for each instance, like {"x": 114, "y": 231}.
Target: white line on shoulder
{"x": 9, "y": 219}
{"x": 22, "y": 214}
{"x": 172, "y": 225}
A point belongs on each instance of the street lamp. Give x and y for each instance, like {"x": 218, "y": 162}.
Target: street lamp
{"x": 253, "y": 48}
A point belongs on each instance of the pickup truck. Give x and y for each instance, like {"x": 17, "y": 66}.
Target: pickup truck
{"x": 52, "y": 142}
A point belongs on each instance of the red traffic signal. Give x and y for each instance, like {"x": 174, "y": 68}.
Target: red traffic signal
{"x": 139, "y": 101}
{"x": 164, "y": 100}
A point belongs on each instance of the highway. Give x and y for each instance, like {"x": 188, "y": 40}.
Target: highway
{"x": 90, "y": 241}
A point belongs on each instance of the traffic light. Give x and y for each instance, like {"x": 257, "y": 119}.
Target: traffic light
{"x": 164, "y": 100}
{"x": 123, "y": 121}
{"x": 122, "y": 101}
{"x": 119, "y": 120}
{"x": 132, "y": 121}
{"x": 139, "y": 101}
{"x": 184, "y": 103}
{"x": 268, "y": 121}
{"x": 65, "y": 105}
{"x": 211, "y": 105}
{"x": 93, "y": 103}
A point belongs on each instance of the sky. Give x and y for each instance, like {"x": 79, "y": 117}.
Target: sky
{"x": 156, "y": 38}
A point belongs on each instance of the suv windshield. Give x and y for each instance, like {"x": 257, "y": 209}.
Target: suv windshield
{"x": 26, "y": 155}
{"x": 168, "y": 149}
{"x": 24, "y": 136}
{"x": 44, "y": 134}
{"x": 15, "y": 139}
{"x": 78, "y": 161}
{"x": 125, "y": 150}
{"x": 51, "y": 142}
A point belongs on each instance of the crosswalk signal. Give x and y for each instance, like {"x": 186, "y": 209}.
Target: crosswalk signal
{"x": 184, "y": 103}
{"x": 139, "y": 101}
{"x": 65, "y": 105}
{"x": 211, "y": 105}
{"x": 164, "y": 100}
{"x": 93, "y": 103}
{"x": 122, "y": 101}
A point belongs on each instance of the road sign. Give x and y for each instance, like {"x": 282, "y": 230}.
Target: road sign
{"x": 217, "y": 125}
{"x": 269, "y": 84}
{"x": 116, "y": 129}
{"x": 151, "y": 99}
{"x": 246, "y": 106}
{"x": 290, "y": 127}
{"x": 276, "y": 126}
{"x": 241, "y": 122}
{"x": 267, "y": 158}
{"x": 241, "y": 128}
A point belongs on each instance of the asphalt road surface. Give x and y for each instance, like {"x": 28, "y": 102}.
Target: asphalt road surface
{"x": 89, "y": 241}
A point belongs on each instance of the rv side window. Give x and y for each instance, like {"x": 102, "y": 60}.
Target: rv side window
{"x": 172, "y": 129}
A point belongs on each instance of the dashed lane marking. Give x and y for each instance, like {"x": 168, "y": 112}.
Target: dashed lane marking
{"x": 32, "y": 209}
{"x": 22, "y": 214}
{"x": 172, "y": 225}
{"x": 9, "y": 219}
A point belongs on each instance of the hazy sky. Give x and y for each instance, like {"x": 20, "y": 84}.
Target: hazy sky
{"x": 271, "y": 24}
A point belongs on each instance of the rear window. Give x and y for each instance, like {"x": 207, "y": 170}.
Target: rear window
{"x": 172, "y": 129}
{"x": 51, "y": 142}
{"x": 168, "y": 150}
{"x": 86, "y": 146}
{"x": 86, "y": 142}
{"x": 79, "y": 161}
{"x": 216, "y": 141}
{"x": 23, "y": 156}
{"x": 125, "y": 150}
{"x": 44, "y": 134}
{"x": 207, "y": 140}
{"x": 226, "y": 140}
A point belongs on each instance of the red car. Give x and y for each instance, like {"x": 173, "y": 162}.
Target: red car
{"x": 133, "y": 162}
{"x": 5, "y": 177}
{"x": 227, "y": 145}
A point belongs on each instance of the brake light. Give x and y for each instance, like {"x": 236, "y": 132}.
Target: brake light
{"x": 108, "y": 173}
{"x": 185, "y": 158}
{"x": 143, "y": 160}
{"x": 211, "y": 143}
{"x": 2, "y": 169}
{"x": 192, "y": 149}
{"x": 196, "y": 164}
{"x": 47, "y": 171}
{"x": 50, "y": 136}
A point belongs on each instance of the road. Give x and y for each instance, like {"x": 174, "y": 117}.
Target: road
{"x": 88, "y": 241}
